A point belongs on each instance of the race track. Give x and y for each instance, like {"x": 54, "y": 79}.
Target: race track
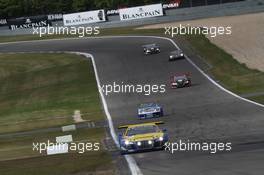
{"x": 201, "y": 112}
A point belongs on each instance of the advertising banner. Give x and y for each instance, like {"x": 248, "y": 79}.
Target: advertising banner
{"x": 28, "y": 22}
{"x": 84, "y": 18}
{"x": 140, "y": 12}
{"x": 55, "y": 17}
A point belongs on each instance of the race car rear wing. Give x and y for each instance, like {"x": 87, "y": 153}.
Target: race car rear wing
{"x": 187, "y": 74}
{"x": 181, "y": 74}
{"x": 155, "y": 123}
{"x": 149, "y": 45}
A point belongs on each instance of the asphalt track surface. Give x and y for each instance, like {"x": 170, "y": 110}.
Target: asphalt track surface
{"x": 203, "y": 112}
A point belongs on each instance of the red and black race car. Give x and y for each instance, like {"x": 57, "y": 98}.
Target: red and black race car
{"x": 180, "y": 80}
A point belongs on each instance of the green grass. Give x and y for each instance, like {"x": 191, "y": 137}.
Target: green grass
{"x": 12, "y": 151}
{"x": 233, "y": 75}
{"x": 59, "y": 165}
{"x": 259, "y": 99}
{"x": 91, "y": 163}
{"x": 43, "y": 90}
{"x": 103, "y": 32}
{"x": 21, "y": 146}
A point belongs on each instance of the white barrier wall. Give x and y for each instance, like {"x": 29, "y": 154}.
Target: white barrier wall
{"x": 139, "y": 12}
{"x": 84, "y": 18}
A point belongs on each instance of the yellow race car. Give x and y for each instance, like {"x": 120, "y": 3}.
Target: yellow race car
{"x": 140, "y": 137}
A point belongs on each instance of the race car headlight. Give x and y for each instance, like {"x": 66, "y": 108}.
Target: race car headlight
{"x": 149, "y": 142}
{"x": 157, "y": 110}
{"x": 160, "y": 138}
{"x": 171, "y": 56}
{"x": 181, "y": 54}
{"x": 139, "y": 143}
{"x": 126, "y": 142}
{"x": 187, "y": 81}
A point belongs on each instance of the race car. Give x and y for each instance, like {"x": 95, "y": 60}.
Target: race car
{"x": 175, "y": 55}
{"x": 149, "y": 110}
{"x": 142, "y": 137}
{"x": 180, "y": 80}
{"x": 151, "y": 49}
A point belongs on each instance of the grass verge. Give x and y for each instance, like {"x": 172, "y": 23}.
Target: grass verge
{"x": 41, "y": 91}
{"x": 259, "y": 99}
{"x": 233, "y": 75}
{"x": 103, "y": 32}
{"x": 44, "y": 90}
{"x": 18, "y": 151}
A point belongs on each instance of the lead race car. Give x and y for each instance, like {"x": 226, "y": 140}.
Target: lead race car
{"x": 142, "y": 137}
{"x": 151, "y": 49}
{"x": 180, "y": 80}
{"x": 149, "y": 110}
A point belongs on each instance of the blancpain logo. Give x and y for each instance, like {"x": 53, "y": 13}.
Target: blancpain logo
{"x": 84, "y": 17}
{"x": 146, "y": 11}
{"x": 80, "y": 19}
{"x": 29, "y": 24}
{"x": 142, "y": 14}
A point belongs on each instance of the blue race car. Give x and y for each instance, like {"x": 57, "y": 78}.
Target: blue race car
{"x": 149, "y": 110}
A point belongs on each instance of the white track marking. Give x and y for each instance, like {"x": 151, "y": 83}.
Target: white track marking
{"x": 214, "y": 82}
{"x": 132, "y": 164}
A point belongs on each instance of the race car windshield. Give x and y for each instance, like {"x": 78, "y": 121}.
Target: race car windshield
{"x": 149, "y": 105}
{"x": 175, "y": 52}
{"x": 151, "y": 46}
{"x": 180, "y": 78}
{"x": 142, "y": 130}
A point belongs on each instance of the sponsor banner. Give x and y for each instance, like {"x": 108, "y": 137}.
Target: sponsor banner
{"x": 28, "y": 22}
{"x": 84, "y": 18}
{"x": 112, "y": 12}
{"x": 55, "y": 17}
{"x": 3, "y": 22}
{"x": 172, "y": 4}
{"x": 139, "y": 12}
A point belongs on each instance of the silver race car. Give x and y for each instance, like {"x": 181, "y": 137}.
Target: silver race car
{"x": 151, "y": 49}
{"x": 175, "y": 55}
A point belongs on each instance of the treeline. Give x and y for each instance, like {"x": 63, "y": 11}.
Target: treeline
{"x": 18, "y": 8}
